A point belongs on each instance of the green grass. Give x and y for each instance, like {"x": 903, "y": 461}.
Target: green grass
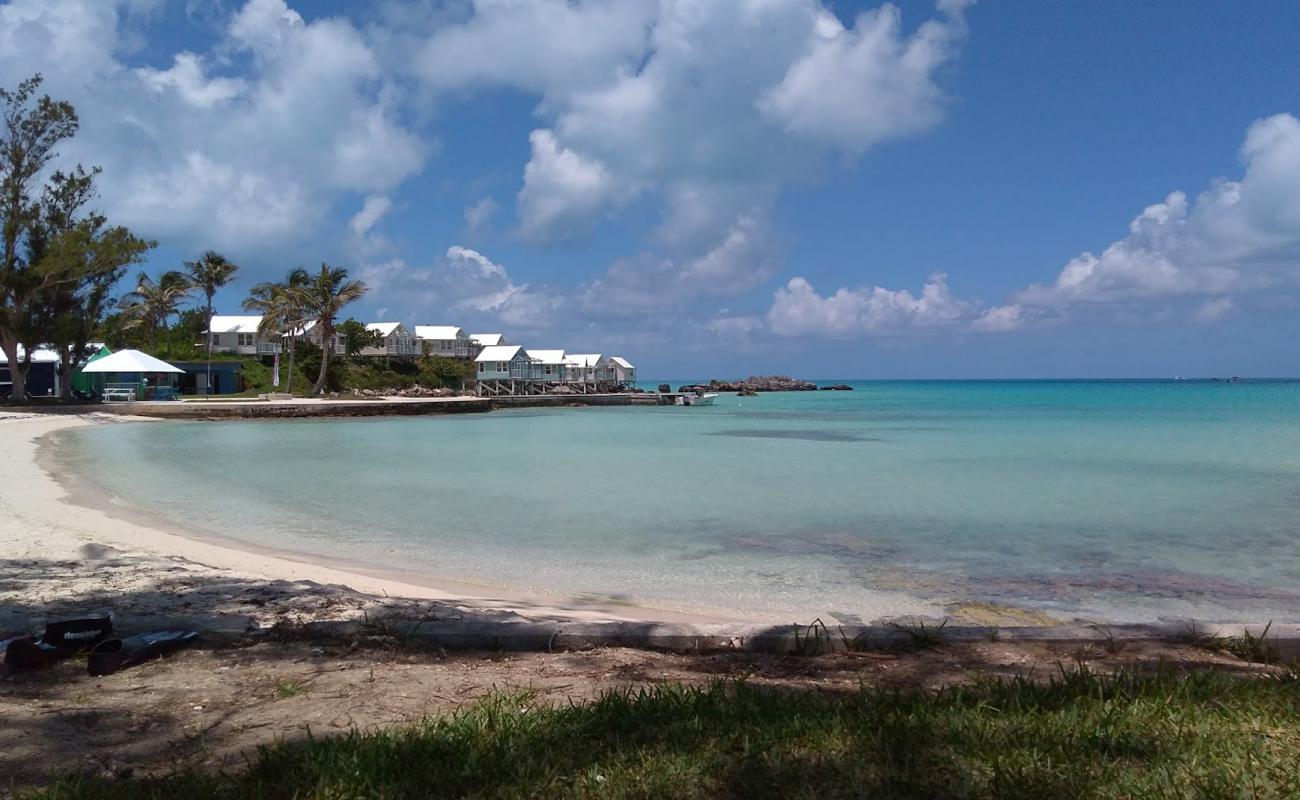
{"x": 1079, "y": 736}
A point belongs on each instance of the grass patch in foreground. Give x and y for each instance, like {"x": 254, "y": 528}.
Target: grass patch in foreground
{"x": 1164, "y": 736}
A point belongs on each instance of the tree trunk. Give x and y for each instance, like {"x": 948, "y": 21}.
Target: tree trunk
{"x": 288, "y": 384}
{"x": 326, "y": 348}
{"x": 17, "y": 371}
{"x": 208, "y": 335}
{"x": 66, "y": 364}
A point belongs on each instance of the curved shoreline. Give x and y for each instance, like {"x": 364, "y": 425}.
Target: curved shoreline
{"x": 53, "y": 511}
{"x": 69, "y": 549}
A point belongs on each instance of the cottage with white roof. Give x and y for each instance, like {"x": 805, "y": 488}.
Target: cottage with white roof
{"x": 449, "y": 341}
{"x": 488, "y": 339}
{"x": 581, "y": 367}
{"x": 502, "y": 369}
{"x": 239, "y": 334}
{"x": 616, "y": 369}
{"x": 398, "y": 340}
{"x": 548, "y": 365}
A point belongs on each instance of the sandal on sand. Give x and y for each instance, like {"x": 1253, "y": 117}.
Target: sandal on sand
{"x": 111, "y": 655}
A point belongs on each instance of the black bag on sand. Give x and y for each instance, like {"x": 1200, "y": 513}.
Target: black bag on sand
{"x": 78, "y": 635}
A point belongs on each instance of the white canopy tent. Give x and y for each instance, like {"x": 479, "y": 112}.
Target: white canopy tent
{"x": 134, "y": 363}
{"x": 131, "y": 361}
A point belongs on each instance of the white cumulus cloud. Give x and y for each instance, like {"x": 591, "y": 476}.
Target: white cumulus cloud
{"x": 1235, "y": 237}
{"x": 798, "y": 310}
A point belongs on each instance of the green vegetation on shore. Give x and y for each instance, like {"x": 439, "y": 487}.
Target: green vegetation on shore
{"x": 1203, "y": 735}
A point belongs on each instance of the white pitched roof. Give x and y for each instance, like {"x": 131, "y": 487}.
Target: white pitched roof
{"x": 224, "y": 323}
{"x": 582, "y": 359}
{"x": 385, "y": 329}
{"x": 488, "y": 339}
{"x": 500, "y": 352}
{"x": 438, "y": 333}
{"x": 547, "y": 356}
{"x": 622, "y": 362}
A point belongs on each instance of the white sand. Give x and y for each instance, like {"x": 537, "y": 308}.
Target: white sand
{"x": 59, "y": 556}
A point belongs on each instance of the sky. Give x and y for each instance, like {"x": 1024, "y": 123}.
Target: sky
{"x": 715, "y": 188}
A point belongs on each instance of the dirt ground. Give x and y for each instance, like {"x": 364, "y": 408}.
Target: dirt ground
{"x": 206, "y": 706}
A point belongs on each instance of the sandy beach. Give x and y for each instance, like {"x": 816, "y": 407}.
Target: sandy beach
{"x": 291, "y": 646}
{"x": 67, "y": 548}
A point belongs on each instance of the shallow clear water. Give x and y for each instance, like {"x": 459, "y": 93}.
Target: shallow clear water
{"x": 1116, "y": 500}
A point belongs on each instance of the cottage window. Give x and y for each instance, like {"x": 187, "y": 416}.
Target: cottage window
{"x": 245, "y": 340}
{"x": 503, "y": 366}
{"x": 482, "y": 366}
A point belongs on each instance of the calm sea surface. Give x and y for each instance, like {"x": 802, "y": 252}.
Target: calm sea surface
{"x": 1115, "y": 500}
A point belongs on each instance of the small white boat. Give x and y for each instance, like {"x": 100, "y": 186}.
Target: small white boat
{"x": 697, "y": 399}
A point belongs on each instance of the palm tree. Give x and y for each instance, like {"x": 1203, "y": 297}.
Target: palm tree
{"x": 324, "y": 295}
{"x": 280, "y": 305}
{"x": 153, "y": 303}
{"x": 208, "y": 274}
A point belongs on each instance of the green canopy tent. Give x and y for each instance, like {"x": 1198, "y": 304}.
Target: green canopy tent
{"x": 90, "y": 382}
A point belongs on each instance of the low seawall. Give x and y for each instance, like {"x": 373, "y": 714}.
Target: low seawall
{"x": 307, "y": 408}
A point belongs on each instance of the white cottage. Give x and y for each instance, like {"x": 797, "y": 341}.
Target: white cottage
{"x": 616, "y": 369}
{"x": 581, "y": 367}
{"x": 239, "y": 334}
{"x": 446, "y": 340}
{"x": 503, "y": 362}
{"x": 398, "y": 340}
{"x": 547, "y": 365}
{"x": 488, "y": 339}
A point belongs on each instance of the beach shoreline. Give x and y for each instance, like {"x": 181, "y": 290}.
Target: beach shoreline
{"x": 70, "y": 545}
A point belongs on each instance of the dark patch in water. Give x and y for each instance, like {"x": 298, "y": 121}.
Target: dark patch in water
{"x": 810, "y": 436}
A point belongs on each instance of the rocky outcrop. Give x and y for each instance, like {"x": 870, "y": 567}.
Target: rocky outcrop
{"x": 839, "y": 387}
{"x": 378, "y": 394}
{"x": 747, "y": 392}
{"x": 757, "y": 383}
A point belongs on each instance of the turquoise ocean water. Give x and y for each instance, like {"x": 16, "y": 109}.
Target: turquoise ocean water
{"x": 1122, "y": 500}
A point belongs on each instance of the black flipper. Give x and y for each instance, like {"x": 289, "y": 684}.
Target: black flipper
{"x": 111, "y": 655}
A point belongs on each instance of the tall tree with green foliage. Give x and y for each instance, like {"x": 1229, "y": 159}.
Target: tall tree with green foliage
{"x": 208, "y": 273}
{"x": 324, "y": 296}
{"x": 152, "y": 303}
{"x": 356, "y": 337}
{"x": 282, "y": 310}
{"x": 57, "y": 262}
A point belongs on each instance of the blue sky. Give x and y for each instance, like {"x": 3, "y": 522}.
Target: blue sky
{"x": 995, "y": 189}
